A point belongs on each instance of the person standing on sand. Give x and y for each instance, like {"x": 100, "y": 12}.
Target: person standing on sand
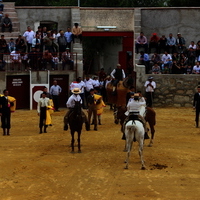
{"x": 196, "y": 105}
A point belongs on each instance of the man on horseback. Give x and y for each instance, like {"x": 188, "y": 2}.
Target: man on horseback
{"x": 133, "y": 112}
{"x": 117, "y": 75}
{"x": 71, "y": 103}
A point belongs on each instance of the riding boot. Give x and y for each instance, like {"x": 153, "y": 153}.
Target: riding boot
{"x": 123, "y": 136}
{"x": 95, "y": 127}
{"x": 8, "y": 131}
{"x": 4, "y": 131}
{"x": 146, "y": 136}
{"x": 40, "y": 130}
{"x": 99, "y": 122}
{"x": 65, "y": 127}
{"x": 45, "y": 128}
{"x": 197, "y": 124}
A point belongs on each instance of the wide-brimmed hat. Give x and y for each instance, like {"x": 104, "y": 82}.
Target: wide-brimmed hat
{"x": 150, "y": 77}
{"x": 136, "y": 95}
{"x": 76, "y": 91}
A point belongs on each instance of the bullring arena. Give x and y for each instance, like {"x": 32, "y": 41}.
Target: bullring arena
{"x": 40, "y": 166}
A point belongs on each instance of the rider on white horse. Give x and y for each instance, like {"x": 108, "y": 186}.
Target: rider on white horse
{"x": 134, "y": 108}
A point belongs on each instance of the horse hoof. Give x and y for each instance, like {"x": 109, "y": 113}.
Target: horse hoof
{"x": 116, "y": 122}
{"x": 143, "y": 168}
{"x": 79, "y": 151}
{"x": 150, "y": 145}
{"x": 126, "y": 167}
{"x": 124, "y": 150}
{"x": 72, "y": 152}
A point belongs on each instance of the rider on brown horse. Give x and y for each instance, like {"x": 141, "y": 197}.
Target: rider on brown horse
{"x": 71, "y": 103}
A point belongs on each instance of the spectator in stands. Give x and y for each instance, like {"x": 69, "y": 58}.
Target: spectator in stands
{"x": 15, "y": 59}
{"x": 24, "y": 60}
{"x": 67, "y": 58}
{"x": 191, "y": 55}
{"x": 198, "y": 50}
{"x": 3, "y": 47}
{"x": 175, "y": 57}
{"x": 48, "y": 42}
{"x": 155, "y": 58}
{"x": 162, "y": 44}
{"x": 2, "y": 65}
{"x": 156, "y": 69}
{"x": 196, "y": 68}
{"x": 6, "y": 23}
{"x": 176, "y": 68}
{"x": 47, "y": 58}
{"x": 68, "y": 36}
{"x": 153, "y": 43}
{"x": 189, "y": 69}
{"x": 180, "y": 44}
{"x": 192, "y": 45}
{"x": 1, "y": 15}
{"x": 36, "y": 42}
{"x": 29, "y": 35}
{"x": 171, "y": 43}
{"x": 144, "y": 60}
{"x": 39, "y": 32}
{"x": 76, "y": 32}
{"x": 167, "y": 62}
{"x": 33, "y": 59}
{"x": 43, "y": 35}
{"x": 62, "y": 42}
{"x": 11, "y": 45}
{"x": 20, "y": 44}
{"x": 55, "y": 61}
{"x": 183, "y": 58}
{"x": 96, "y": 84}
{"x": 141, "y": 42}
{"x": 102, "y": 74}
{"x": 1, "y": 6}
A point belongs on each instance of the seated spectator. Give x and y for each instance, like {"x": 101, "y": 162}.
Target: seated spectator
{"x": 162, "y": 44}
{"x": 20, "y": 44}
{"x": 153, "y": 43}
{"x": 189, "y": 69}
{"x": 176, "y": 68}
{"x": 156, "y": 69}
{"x": 180, "y": 44}
{"x": 198, "y": 50}
{"x": 24, "y": 60}
{"x": 155, "y": 58}
{"x": 171, "y": 42}
{"x": 1, "y": 6}
{"x": 76, "y": 32}
{"x": 3, "y": 47}
{"x": 192, "y": 45}
{"x": 15, "y": 59}
{"x": 183, "y": 58}
{"x": 175, "y": 57}
{"x": 55, "y": 60}
{"x": 191, "y": 55}
{"x": 35, "y": 59}
{"x": 47, "y": 58}
{"x": 67, "y": 59}
{"x": 11, "y": 45}
{"x": 6, "y": 23}
{"x": 141, "y": 42}
{"x": 2, "y": 65}
{"x": 1, "y": 15}
{"x": 183, "y": 66}
{"x": 196, "y": 68}
{"x": 166, "y": 60}
{"x": 144, "y": 60}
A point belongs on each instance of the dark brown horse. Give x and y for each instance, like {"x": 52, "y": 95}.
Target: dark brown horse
{"x": 76, "y": 121}
{"x": 150, "y": 117}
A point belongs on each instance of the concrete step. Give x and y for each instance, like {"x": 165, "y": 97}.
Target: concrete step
{"x": 78, "y": 50}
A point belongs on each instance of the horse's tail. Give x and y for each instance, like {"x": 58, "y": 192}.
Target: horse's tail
{"x": 130, "y": 135}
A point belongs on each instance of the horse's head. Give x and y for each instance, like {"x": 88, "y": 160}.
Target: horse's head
{"x": 119, "y": 114}
{"x": 77, "y": 106}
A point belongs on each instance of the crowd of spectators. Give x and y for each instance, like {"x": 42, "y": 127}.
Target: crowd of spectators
{"x": 168, "y": 55}
{"x": 35, "y": 50}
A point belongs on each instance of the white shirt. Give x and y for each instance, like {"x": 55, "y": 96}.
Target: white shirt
{"x": 15, "y": 56}
{"x": 96, "y": 83}
{"x": 166, "y": 58}
{"x": 43, "y": 102}
{"x": 89, "y": 85}
{"x": 196, "y": 69}
{"x": 113, "y": 72}
{"x": 55, "y": 90}
{"x": 149, "y": 88}
{"x": 71, "y": 101}
{"x": 134, "y": 106}
{"x": 29, "y": 35}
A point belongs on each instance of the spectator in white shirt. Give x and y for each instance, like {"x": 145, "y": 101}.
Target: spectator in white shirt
{"x": 29, "y": 35}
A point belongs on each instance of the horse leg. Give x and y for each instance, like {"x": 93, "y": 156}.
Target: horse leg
{"x": 79, "y": 141}
{"x": 72, "y": 141}
{"x": 152, "y": 135}
{"x": 129, "y": 142}
{"x": 141, "y": 144}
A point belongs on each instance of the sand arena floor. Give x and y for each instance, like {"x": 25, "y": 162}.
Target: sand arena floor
{"x": 40, "y": 166}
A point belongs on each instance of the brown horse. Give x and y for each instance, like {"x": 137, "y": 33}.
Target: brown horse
{"x": 150, "y": 117}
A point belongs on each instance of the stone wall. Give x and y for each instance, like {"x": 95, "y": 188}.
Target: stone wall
{"x": 173, "y": 90}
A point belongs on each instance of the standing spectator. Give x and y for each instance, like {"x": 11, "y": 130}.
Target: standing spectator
{"x": 6, "y": 23}
{"x": 29, "y": 35}
{"x": 1, "y": 6}
{"x": 5, "y": 112}
{"x": 198, "y": 50}
{"x": 43, "y": 103}
{"x": 3, "y": 47}
{"x": 196, "y": 105}
{"x": 144, "y": 60}
{"x": 76, "y": 32}
{"x": 141, "y": 41}
{"x": 180, "y": 44}
{"x": 171, "y": 42}
{"x": 62, "y": 42}
{"x": 36, "y": 42}
{"x": 67, "y": 58}
{"x": 11, "y": 45}
{"x": 20, "y": 44}
{"x": 102, "y": 74}
{"x": 55, "y": 91}
{"x": 48, "y": 42}
{"x": 191, "y": 55}
{"x": 153, "y": 43}
{"x": 88, "y": 86}
{"x": 96, "y": 83}
{"x": 68, "y": 36}
{"x": 150, "y": 86}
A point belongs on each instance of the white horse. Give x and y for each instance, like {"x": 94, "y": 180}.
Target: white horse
{"x": 134, "y": 131}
